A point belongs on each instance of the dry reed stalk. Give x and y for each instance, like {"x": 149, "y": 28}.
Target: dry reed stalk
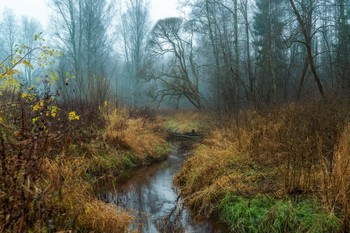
{"x": 336, "y": 184}
{"x": 279, "y": 153}
{"x": 138, "y": 135}
{"x": 77, "y": 200}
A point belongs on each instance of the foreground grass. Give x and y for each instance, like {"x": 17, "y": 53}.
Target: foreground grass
{"x": 125, "y": 143}
{"x": 48, "y": 176}
{"x": 299, "y": 155}
{"x": 266, "y": 214}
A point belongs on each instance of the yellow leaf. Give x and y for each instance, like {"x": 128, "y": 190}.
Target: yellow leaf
{"x": 38, "y": 105}
{"x": 54, "y": 111}
{"x": 27, "y": 63}
{"x": 35, "y": 119}
{"x": 9, "y": 72}
{"x": 73, "y": 116}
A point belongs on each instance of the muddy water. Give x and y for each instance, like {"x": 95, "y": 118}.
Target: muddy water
{"x": 150, "y": 195}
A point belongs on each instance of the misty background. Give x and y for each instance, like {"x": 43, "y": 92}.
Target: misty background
{"x": 222, "y": 55}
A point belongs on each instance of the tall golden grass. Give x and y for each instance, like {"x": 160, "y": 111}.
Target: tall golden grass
{"x": 107, "y": 154}
{"x": 336, "y": 179}
{"x": 139, "y": 135}
{"x": 81, "y": 210}
{"x": 185, "y": 121}
{"x": 48, "y": 165}
{"x": 292, "y": 149}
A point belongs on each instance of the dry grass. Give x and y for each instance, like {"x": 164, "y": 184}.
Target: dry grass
{"x": 139, "y": 135}
{"x": 69, "y": 178}
{"x": 49, "y": 166}
{"x": 185, "y": 121}
{"x": 125, "y": 142}
{"x": 336, "y": 182}
{"x": 293, "y": 149}
{"x": 80, "y": 209}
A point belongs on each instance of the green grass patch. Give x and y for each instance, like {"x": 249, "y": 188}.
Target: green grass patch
{"x": 163, "y": 149}
{"x": 266, "y": 214}
{"x": 128, "y": 160}
{"x": 103, "y": 163}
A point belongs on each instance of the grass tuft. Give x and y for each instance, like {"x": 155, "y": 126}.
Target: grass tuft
{"x": 139, "y": 135}
{"x": 81, "y": 211}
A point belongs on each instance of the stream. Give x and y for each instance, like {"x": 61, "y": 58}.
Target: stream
{"x": 149, "y": 194}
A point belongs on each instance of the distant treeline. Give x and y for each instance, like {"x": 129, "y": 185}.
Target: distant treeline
{"x": 221, "y": 55}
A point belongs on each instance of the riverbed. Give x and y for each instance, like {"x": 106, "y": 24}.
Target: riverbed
{"x": 149, "y": 194}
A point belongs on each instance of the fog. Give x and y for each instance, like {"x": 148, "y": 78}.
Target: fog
{"x": 220, "y": 55}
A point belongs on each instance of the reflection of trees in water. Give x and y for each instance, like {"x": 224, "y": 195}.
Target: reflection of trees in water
{"x": 148, "y": 194}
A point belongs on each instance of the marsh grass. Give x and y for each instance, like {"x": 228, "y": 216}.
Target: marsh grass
{"x": 295, "y": 152}
{"x": 49, "y": 164}
{"x": 186, "y": 121}
{"x": 141, "y": 135}
{"x": 80, "y": 210}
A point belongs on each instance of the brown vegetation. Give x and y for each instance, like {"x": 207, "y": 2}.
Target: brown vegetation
{"x": 185, "y": 121}
{"x": 51, "y": 157}
{"x": 141, "y": 135}
{"x": 294, "y": 150}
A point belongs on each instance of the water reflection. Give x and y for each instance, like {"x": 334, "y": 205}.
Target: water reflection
{"x": 149, "y": 194}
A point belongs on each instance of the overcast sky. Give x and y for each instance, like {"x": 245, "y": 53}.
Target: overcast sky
{"x": 39, "y": 9}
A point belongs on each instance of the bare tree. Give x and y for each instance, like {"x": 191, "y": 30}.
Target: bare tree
{"x": 172, "y": 41}
{"x": 250, "y": 87}
{"x": 304, "y": 14}
{"x": 67, "y": 28}
{"x": 97, "y": 48}
{"x": 9, "y": 36}
{"x": 135, "y": 29}
{"x": 30, "y": 29}
{"x": 82, "y": 35}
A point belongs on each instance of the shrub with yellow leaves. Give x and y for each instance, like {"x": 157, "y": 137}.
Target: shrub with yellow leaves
{"x": 32, "y": 128}
{"x": 72, "y": 116}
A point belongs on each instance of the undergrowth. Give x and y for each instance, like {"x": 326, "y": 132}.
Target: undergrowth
{"x": 50, "y": 161}
{"x": 52, "y": 152}
{"x": 291, "y": 152}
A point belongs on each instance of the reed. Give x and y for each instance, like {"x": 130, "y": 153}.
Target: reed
{"x": 291, "y": 152}
{"x": 141, "y": 135}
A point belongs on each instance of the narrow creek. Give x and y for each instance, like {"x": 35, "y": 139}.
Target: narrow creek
{"x": 149, "y": 193}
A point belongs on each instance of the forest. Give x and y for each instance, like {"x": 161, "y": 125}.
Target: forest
{"x": 250, "y": 96}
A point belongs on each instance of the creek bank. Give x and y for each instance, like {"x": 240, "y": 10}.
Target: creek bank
{"x": 275, "y": 172}
{"x": 152, "y": 199}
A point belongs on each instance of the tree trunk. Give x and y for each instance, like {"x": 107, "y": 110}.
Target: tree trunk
{"x": 308, "y": 44}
